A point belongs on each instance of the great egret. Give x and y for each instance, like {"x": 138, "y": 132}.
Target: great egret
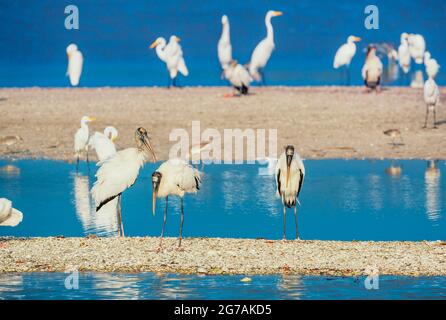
{"x": 174, "y": 177}
{"x": 431, "y": 98}
{"x": 372, "y": 69}
{"x": 417, "y": 46}
{"x": 432, "y": 66}
{"x": 75, "y": 63}
{"x": 103, "y": 143}
{"x": 224, "y": 44}
{"x": 264, "y": 49}
{"x": 172, "y": 55}
{"x": 118, "y": 173}
{"x": 81, "y": 139}
{"x": 9, "y": 217}
{"x": 404, "y": 57}
{"x": 290, "y": 173}
{"x": 238, "y": 76}
{"x": 345, "y": 54}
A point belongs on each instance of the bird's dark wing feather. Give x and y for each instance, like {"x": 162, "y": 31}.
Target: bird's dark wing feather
{"x": 278, "y": 181}
{"x": 103, "y": 203}
{"x": 301, "y": 181}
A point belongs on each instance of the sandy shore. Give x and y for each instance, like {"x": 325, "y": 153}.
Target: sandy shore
{"x": 222, "y": 256}
{"x": 323, "y": 122}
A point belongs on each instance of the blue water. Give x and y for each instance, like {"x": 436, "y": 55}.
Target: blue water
{"x": 114, "y": 36}
{"x": 171, "y": 286}
{"x": 340, "y": 200}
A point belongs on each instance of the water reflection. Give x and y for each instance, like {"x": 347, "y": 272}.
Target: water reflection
{"x": 375, "y": 187}
{"x": 432, "y": 187}
{"x": 291, "y": 286}
{"x": 233, "y": 189}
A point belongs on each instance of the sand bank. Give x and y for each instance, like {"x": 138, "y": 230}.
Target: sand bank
{"x": 222, "y": 256}
{"x": 322, "y": 122}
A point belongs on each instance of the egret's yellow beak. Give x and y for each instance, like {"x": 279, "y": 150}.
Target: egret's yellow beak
{"x": 91, "y": 119}
{"x": 357, "y": 39}
{"x": 278, "y": 13}
{"x": 154, "y": 44}
{"x": 177, "y": 39}
{"x": 113, "y": 139}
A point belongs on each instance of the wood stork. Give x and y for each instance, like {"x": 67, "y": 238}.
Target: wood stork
{"x": 75, "y": 62}
{"x": 345, "y": 54}
{"x": 417, "y": 46}
{"x": 404, "y": 57}
{"x": 431, "y": 98}
{"x": 81, "y": 139}
{"x": 118, "y": 173}
{"x": 432, "y": 66}
{"x": 174, "y": 177}
{"x": 290, "y": 173}
{"x": 264, "y": 49}
{"x": 9, "y": 217}
{"x": 172, "y": 55}
{"x": 238, "y": 76}
{"x": 372, "y": 69}
{"x": 224, "y": 47}
{"x": 103, "y": 143}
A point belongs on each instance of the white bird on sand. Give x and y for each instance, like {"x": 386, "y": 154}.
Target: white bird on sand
{"x": 404, "y": 57}
{"x": 345, "y": 54}
{"x": 290, "y": 173}
{"x": 432, "y": 66}
{"x": 103, "y": 143}
{"x": 224, "y": 44}
{"x": 372, "y": 69}
{"x": 238, "y": 76}
{"x": 417, "y": 46}
{"x": 81, "y": 139}
{"x": 431, "y": 98}
{"x": 172, "y": 55}
{"x": 118, "y": 173}
{"x": 9, "y": 217}
{"x": 264, "y": 49}
{"x": 174, "y": 177}
{"x": 75, "y": 62}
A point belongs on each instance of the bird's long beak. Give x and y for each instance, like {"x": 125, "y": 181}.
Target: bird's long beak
{"x": 91, "y": 119}
{"x": 113, "y": 139}
{"x": 289, "y": 158}
{"x": 178, "y": 39}
{"x": 154, "y": 194}
{"x": 278, "y": 13}
{"x": 146, "y": 141}
{"x": 357, "y": 39}
{"x": 154, "y": 44}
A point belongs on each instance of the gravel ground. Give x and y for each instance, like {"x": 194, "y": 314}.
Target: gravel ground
{"x": 322, "y": 122}
{"x": 222, "y": 256}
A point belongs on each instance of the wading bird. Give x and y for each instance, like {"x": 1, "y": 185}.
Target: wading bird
{"x": 393, "y": 134}
{"x": 417, "y": 46}
{"x": 81, "y": 139}
{"x": 290, "y": 173}
{"x": 103, "y": 143}
{"x": 372, "y": 69}
{"x": 238, "y": 76}
{"x": 345, "y": 54}
{"x": 172, "y": 55}
{"x": 224, "y": 47}
{"x": 431, "y": 98}
{"x": 118, "y": 173}
{"x": 432, "y": 66}
{"x": 404, "y": 57}
{"x": 263, "y": 50}
{"x": 174, "y": 177}
{"x": 9, "y": 217}
{"x": 75, "y": 62}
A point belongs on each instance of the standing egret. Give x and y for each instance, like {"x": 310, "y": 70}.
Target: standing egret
{"x": 224, "y": 44}
{"x": 9, "y": 217}
{"x": 174, "y": 177}
{"x": 431, "y": 98}
{"x": 290, "y": 173}
{"x": 81, "y": 139}
{"x": 118, "y": 173}
{"x": 263, "y": 50}
{"x": 75, "y": 62}
{"x": 238, "y": 76}
{"x": 417, "y": 46}
{"x": 404, "y": 57}
{"x": 431, "y": 65}
{"x": 103, "y": 143}
{"x": 345, "y": 54}
{"x": 372, "y": 69}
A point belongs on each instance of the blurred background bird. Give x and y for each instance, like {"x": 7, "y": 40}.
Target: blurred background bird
{"x": 75, "y": 64}
{"x": 345, "y": 54}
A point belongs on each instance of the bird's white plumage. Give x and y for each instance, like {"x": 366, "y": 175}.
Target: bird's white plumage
{"x": 432, "y": 66}
{"x": 81, "y": 136}
{"x": 417, "y": 46}
{"x": 172, "y": 55}
{"x": 9, "y": 217}
{"x": 237, "y": 75}
{"x": 75, "y": 64}
{"x": 224, "y": 47}
{"x": 431, "y": 92}
{"x": 404, "y": 57}
{"x": 178, "y": 178}
{"x": 345, "y": 53}
{"x": 373, "y": 68}
{"x": 103, "y": 143}
{"x": 289, "y": 193}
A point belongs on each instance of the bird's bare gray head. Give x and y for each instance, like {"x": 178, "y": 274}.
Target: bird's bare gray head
{"x": 156, "y": 180}
{"x": 143, "y": 142}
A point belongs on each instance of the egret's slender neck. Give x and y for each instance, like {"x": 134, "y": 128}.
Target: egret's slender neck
{"x": 225, "y": 33}
{"x": 84, "y": 126}
{"x": 160, "y": 51}
{"x": 269, "y": 29}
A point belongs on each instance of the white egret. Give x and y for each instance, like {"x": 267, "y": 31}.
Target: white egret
{"x": 75, "y": 63}
{"x": 431, "y": 98}
{"x": 417, "y": 46}
{"x": 372, "y": 69}
{"x": 238, "y": 76}
{"x": 174, "y": 177}
{"x": 404, "y": 57}
{"x": 224, "y": 44}
{"x": 290, "y": 173}
{"x": 345, "y": 54}
{"x": 9, "y": 217}
{"x": 118, "y": 173}
{"x": 264, "y": 49}
{"x": 81, "y": 139}
{"x": 103, "y": 143}
{"x": 432, "y": 66}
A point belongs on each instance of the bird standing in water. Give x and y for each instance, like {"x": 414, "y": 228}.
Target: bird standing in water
{"x": 81, "y": 139}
